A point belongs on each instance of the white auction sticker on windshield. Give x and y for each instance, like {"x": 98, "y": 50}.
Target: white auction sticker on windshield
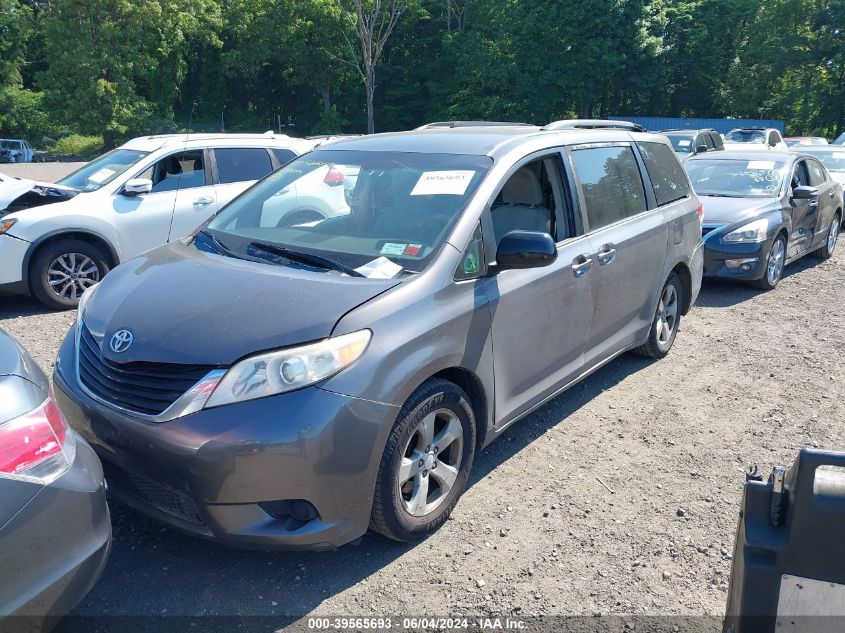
{"x": 685, "y": 143}
{"x": 101, "y": 176}
{"x": 381, "y": 268}
{"x": 761, "y": 164}
{"x": 393, "y": 249}
{"x": 443, "y": 183}
{"x": 839, "y": 154}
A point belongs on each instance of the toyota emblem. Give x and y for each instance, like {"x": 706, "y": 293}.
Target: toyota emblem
{"x": 121, "y": 341}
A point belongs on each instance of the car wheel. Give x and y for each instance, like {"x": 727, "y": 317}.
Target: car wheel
{"x": 774, "y": 265}
{"x": 826, "y": 249}
{"x": 425, "y": 466}
{"x": 63, "y": 270}
{"x": 667, "y": 320}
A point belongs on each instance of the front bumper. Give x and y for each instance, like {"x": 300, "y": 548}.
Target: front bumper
{"x": 12, "y": 256}
{"x": 56, "y": 547}
{"x": 729, "y": 261}
{"x": 223, "y": 473}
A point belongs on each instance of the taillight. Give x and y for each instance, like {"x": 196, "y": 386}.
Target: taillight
{"x": 333, "y": 177}
{"x": 34, "y": 445}
{"x": 701, "y": 214}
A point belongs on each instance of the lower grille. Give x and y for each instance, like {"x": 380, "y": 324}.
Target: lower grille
{"x": 168, "y": 500}
{"x": 146, "y": 388}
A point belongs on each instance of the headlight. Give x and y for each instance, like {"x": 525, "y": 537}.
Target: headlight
{"x": 277, "y": 372}
{"x": 756, "y": 231}
{"x": 5, "y": 225}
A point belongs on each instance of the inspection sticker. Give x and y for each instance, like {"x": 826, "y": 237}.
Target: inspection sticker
{"x": 101, "y": 176}
{"x": 761, "y": 164}
{"x": 381, "y": 268}
{"x": 393, "y": 249}
{"x": 443, "y": 183}
{"x": 412, "y": 249}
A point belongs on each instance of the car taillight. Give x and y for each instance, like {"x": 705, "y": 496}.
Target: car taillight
{"x": 701, "y": 213}
{"x": 333, "y": 177}
{"x": 35, "y": 445}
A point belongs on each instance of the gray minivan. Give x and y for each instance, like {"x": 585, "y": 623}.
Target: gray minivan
{"x": 273, "y": 385}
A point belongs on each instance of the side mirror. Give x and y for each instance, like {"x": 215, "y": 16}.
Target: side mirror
{"x": 137, "y": 186}
{"x": 805, "y": 193}
{"x": 700, "y": 149}
{"x": 525, "y": 249}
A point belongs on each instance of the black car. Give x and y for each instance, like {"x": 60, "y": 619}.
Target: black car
{"x": 55, "y": 530}
{"x": 688, "y": 143}
{"x": 763, "y": 210}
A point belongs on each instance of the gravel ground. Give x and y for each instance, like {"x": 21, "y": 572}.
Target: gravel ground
{"x": 46, "y": 172}
{"x": 619, "y": 497}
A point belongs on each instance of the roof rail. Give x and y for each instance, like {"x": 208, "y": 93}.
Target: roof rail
{"x": 454, "y": 124}
{"x": 687, "y": 129}
{"x": 593, "y": 124}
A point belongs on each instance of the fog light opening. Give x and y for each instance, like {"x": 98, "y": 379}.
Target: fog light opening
{"x": 297, "y": 512}
{"x": 741, "y": 265}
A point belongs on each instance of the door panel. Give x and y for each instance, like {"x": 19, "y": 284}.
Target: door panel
{"x": 541, "y": 319}
{"x": 193, "y": 207}
{"x": 142, "y": 222}
{"x": 805, "y": 214}
{"x": 789, "y": 556}
{"x": 625, "y": 287}
{"x": 828, "y": 199}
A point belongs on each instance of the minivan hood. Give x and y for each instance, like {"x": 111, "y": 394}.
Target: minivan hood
{"x": 729, "y": 210}
{"x": 186, "y": 306}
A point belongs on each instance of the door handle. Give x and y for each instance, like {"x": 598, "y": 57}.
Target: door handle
{"x": 203, "y": 202}
{"x": 606, "y": 254}
{"x": 581, "y": 265}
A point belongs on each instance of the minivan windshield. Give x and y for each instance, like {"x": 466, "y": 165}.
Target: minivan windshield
{"x": 346, "y": 209}
{"x": 681, "y": 143}
{"x": 746, "y": 136}
{"x": 101, "y": 171}
{"x": 736, "y": 178}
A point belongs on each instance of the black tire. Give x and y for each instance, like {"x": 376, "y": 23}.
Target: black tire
{"x": 658, "y": 344}
{"x": 764, "y": 283}
{"x": 825, "y": 251}
{"x": 389, "y": 515}
{"x": 299, "y": 217}
{"x": 39, "y": 272}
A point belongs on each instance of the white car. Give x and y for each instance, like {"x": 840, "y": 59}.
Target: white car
{"x": 741, "y": 137}
{"x": 58, "y": 239}
{"x": 13, "y": 150}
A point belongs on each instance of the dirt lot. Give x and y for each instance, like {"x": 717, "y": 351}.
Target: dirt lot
{"x": 620, "y": 496}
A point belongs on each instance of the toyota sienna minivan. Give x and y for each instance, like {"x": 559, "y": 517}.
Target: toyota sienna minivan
{"x": 275, "y": 385}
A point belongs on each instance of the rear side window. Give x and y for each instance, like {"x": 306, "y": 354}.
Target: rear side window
{"x": 667, "y": 175}
{"x": 611, "y": 183}
{"x": 283, "y": 155}
{"x": 236, "y": 164}
{"x": 817, "y": 175}
{"x": 717, "y": 140}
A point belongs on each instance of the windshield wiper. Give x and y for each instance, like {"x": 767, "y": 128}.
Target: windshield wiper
{"x": 225, "y": 250}
{"x": 306, "y": 258}
{"x": 723, "y": 195}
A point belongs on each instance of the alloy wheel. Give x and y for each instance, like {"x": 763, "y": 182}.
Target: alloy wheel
{"x": 833, "y": 234}
{"x": 774, "y": 265}
{"x": 431, "y": 461}
{"x": 70, "y": 274}
{"x": 667, "y": 314}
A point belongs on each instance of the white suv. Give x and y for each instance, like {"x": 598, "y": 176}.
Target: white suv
{"x": 57, "y": 240}
{"x": 739, "y": 138}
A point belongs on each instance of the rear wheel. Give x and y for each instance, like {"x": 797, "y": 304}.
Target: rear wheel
{"x": 63, "y": 270}
{"x": 667, "y": 319}
{"x": 826, "y": 249}
{"x": 425, "y": 466}
{"x": 774, "y": 265}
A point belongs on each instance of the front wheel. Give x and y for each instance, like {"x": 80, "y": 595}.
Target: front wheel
{"x": 63, "y": 270}
{"x": 425, "y": 466}
{"x": 667, "y": 320}
{"x": 826, "y": 249}
{"x": 774, "y": 265}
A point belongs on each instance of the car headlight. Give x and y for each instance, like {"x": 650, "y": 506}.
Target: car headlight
{"x": 6, "y": 224}
{"x": 285, "y": 370}
{"x": 756, "y": 231}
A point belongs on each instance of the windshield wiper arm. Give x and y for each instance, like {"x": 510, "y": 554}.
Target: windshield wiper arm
{"x": 306, "y": 258}
{"x": 225, "y": 250}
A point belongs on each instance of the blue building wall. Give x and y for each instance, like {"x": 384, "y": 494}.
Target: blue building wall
{"x": 656, "y": 123}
